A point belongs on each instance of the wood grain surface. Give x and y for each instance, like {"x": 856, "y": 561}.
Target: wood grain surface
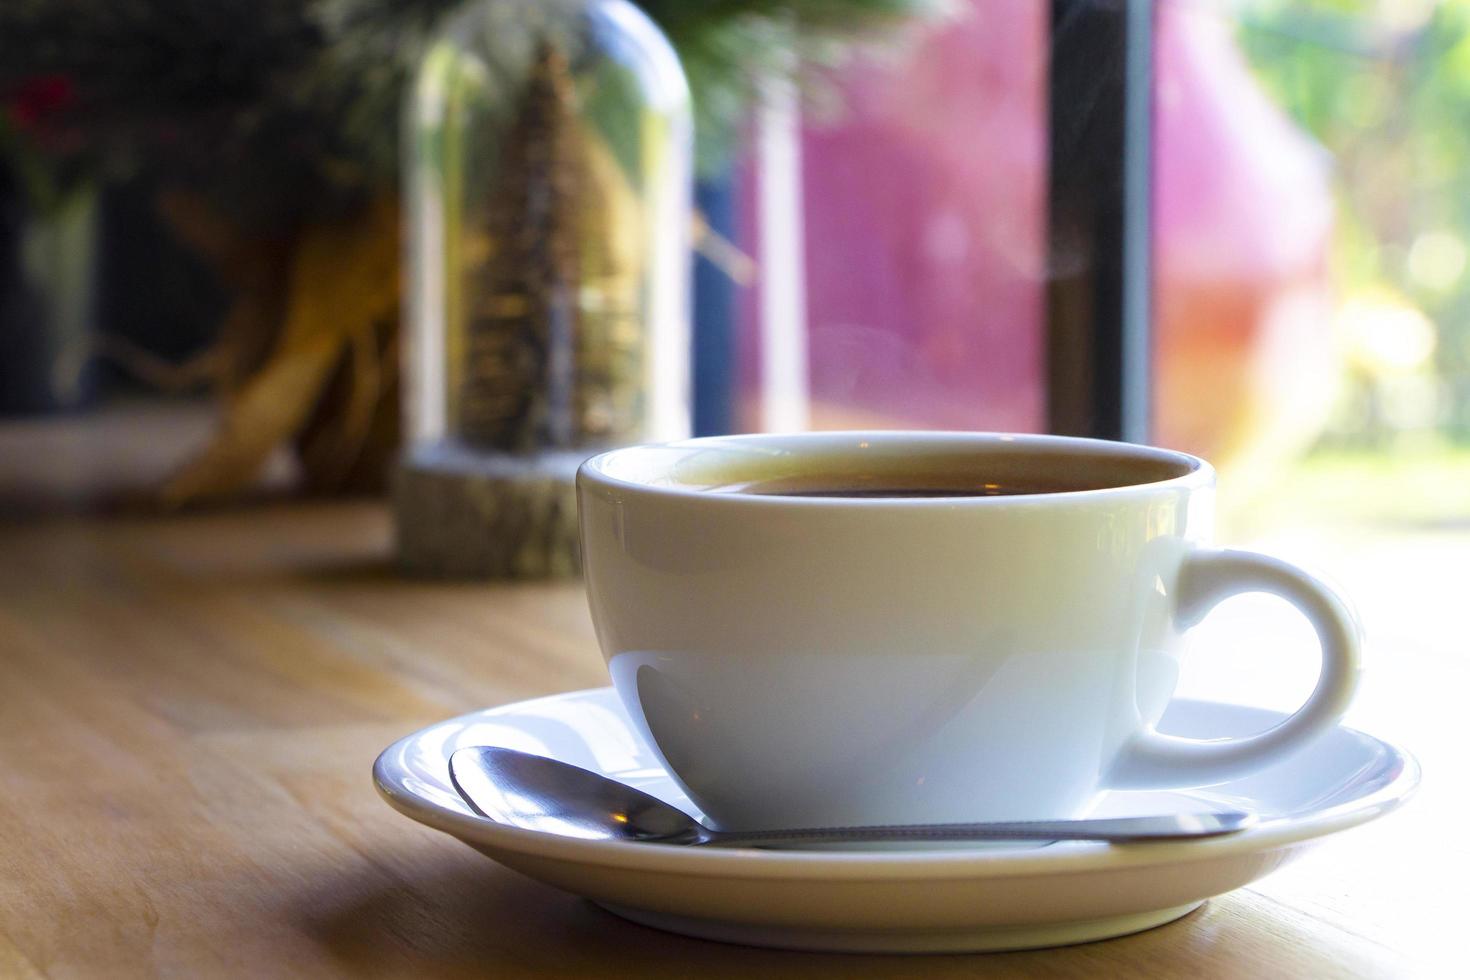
{"x": 190, "y": 706}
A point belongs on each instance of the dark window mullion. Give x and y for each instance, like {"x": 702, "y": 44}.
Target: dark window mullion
{"x": 1099, "y": 98}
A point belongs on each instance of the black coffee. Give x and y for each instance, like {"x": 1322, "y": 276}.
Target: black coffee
{"x": 832, "y": 466}
{"x": 889, "y": 488}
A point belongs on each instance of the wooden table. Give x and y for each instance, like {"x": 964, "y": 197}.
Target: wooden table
{"x": 190, "y": 706}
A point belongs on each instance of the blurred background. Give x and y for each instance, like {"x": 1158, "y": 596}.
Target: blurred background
{"x": 1308, "y": 243}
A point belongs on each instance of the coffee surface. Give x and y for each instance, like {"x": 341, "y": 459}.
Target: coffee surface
{"x": 892, "y": 488}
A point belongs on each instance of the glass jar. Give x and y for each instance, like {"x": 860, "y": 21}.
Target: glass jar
{"x": 548, "y": 180}
{"x": 548, "y": 183}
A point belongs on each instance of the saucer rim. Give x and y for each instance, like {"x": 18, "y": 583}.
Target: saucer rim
{"x": 845, "y": 865}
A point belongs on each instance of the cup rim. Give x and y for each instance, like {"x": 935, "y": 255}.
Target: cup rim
{"x": 1197, "y": 472}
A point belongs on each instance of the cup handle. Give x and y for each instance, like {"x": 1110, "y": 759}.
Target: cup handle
{"x": 1207, "y": 576}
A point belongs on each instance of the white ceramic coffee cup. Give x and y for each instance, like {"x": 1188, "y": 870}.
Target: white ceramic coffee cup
{"x": 803, "y": 661}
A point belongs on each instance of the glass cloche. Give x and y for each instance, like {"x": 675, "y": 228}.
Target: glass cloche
{"x": 548, "y": 183}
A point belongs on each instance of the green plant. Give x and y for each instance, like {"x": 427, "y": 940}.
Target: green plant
{"x": 1387, "y": 91}
{"x": 284, "y": 108}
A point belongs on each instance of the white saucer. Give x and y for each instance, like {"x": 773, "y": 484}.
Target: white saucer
{"x": 899, "y": 900}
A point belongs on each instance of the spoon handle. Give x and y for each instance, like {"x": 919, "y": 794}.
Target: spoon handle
{"x": 1120, "y": 829}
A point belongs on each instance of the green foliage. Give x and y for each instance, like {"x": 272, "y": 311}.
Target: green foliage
{"x": 276, "y": 108}
{"x": 284, "y": 108}
{"x": 1391, "y": 100}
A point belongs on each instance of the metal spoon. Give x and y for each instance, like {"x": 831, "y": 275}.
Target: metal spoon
{"x": 536, "y": 793}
